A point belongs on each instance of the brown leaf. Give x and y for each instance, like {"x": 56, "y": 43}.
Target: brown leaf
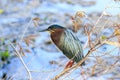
{"x": 76, "y": 26}
{"x": 77, "y": 20}
{"x": 36, "y": 21}
{"x": 29, "y": 39}
{"x": 21, "y": 50}
{"x": 27, "y": 50}
{"x": 80, "y": 14}
{"x": 117, "y": 32}
{"x": 93, "y": 70}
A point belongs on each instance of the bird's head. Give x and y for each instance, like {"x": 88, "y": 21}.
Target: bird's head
{"x": 53, "y": 28}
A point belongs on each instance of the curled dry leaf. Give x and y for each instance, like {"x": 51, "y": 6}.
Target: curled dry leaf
{"x": 27, "y": 50}
{"x": 117, "y": 32}
{"x": 76, "y": 26}
{"x": 29, "y": 39}
{"x": 21, "y": 50}
{"x": 93, "y": 70}
{"x": 36, "y": 21}
{"x": 77, "y": 20}
{"x": 80, "y": 14}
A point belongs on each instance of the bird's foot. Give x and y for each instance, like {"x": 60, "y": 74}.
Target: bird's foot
{"x": 69, "y": 64}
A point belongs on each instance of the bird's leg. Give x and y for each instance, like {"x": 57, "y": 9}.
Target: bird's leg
{"x": 69, "y": 64}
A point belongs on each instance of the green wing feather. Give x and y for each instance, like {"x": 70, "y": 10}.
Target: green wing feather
{"x": 71, "y": 46}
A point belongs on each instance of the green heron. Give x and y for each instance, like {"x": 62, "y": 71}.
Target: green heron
{"x": 67, "y": 42}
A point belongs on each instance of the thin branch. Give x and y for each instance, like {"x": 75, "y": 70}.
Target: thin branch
{"x": 96, "y": 46}
{"x": 27, "y": 26}
{"x": 79, "y": 63}
{"x": 17, "y": 53}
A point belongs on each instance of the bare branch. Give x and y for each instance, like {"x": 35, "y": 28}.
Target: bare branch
{"x": 18, "y": 54}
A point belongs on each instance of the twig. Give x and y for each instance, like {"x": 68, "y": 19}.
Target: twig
{"x": 79, "y": 63}
{"x": 26, "y": 27}
{"x": 96, "y": 46}
{"x": 17, "y": 53}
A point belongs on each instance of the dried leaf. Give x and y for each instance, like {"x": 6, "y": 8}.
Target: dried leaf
{"x": 21, "y": 50}
{"x": 76, "y": 26}
{"x": 117, "y": 32}
{"x": 77, "y": 20}
{"x": 32, "y": 37}
{"x": 93, "y": 70}
{"x": 29, "y": 39}
{"x": 36, "y": 21}
{"x": 112, "y": 43}
{"x": 80, "y": 14}
{"x": 27, "y": 50}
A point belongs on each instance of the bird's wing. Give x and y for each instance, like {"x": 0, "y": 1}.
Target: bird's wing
{"x": 71, "y": 46}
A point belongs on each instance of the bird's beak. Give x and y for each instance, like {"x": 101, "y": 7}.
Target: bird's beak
{"x": 44, "y": 30}
{"x": 49, "y": 30}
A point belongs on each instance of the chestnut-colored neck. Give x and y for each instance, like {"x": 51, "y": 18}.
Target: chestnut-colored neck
{"x": 56, "y": 35}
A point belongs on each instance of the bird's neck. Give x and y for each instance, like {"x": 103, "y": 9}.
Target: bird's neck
{"x": 56, "y": 36}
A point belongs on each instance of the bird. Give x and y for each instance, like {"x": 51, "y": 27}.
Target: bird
{"x": 67, "y": 42}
